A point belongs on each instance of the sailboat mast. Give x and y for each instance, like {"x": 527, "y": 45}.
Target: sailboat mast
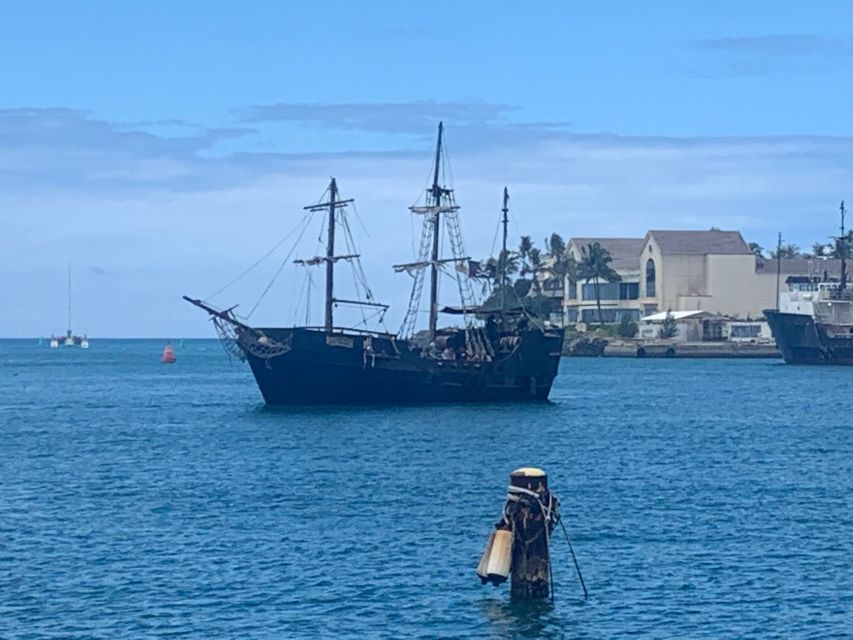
{"x": 69, "y": 298}
{"x": 436, "y": 232}
{"x": 330, "y": 254}
{"x": 504, "y": 255}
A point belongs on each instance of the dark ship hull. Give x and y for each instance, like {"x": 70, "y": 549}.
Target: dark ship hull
{"x": 312, "y": 367}
{"x": 804, "y": 341}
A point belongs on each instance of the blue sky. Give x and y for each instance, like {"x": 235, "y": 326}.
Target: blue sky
{"x": 163, "y": 147}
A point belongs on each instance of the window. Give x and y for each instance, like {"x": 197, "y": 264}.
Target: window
{"x": 650, "y": 278}
{"x": 629, "y": 290}
{"x": 612, "y": 291}
{"x": 746, "y": 330}
{"x": 608, "y": 290}
{"x": 609, "y": 315}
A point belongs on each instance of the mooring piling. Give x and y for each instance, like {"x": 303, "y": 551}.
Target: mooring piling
{"x": 520, "y": 545}
{"x": 518, "y": 548}
{"x": 532, "y": 511}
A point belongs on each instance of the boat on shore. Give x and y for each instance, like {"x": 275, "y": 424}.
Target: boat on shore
{"x": 818, "y": 330}
{"x": 497, "y": 355}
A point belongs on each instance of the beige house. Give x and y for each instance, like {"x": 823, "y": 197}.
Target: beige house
{"x": 701, "y": 271}
{"x": 712, "y": 271}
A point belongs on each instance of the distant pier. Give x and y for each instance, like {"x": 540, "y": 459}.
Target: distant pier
{"x": 615, "y": 348}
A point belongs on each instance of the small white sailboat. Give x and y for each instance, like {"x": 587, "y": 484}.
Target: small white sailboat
{"x": 69, "y": 339}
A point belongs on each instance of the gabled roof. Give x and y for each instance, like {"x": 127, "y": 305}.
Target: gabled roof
{"x": 700, "y": 243}
{"x": 624, "y": 251}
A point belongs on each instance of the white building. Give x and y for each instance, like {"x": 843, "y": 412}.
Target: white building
{"x": 691, "y": 326}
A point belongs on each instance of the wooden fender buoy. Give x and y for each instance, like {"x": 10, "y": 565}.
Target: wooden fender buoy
{"x": 483, "y": 566}
{"x": 500, "y": 557}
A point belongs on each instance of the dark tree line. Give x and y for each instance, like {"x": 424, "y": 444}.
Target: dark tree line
{"x": 834, "y": 249}
{"x": 522, "y": 276}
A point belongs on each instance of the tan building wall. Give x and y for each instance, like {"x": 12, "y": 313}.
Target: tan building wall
{"x": 676, "y": 276}
{"x": 735, "y": 289}
{"x": 724, "y": 284}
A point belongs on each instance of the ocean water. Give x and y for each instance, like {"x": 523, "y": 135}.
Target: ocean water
{"x": 705, "y": 499}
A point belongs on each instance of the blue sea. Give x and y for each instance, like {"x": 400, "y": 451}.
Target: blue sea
{"x": 704, "y": 499}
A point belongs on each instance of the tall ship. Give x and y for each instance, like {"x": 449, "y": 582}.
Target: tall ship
{"x": 502, "y": 354}
{"x": 69, "y": 339}
{"x": 813, "y": 323}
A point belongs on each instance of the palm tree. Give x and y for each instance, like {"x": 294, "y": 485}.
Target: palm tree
{"x": 524, "y": 249}
{"x": 505, "y": 266}
{"x": 557, "y": 260}
{"x": 785, "y": 251}
{"x": 496, "y": 273}
{"x": 595, "y": 267}
{"x": 533, "y": 268}
{"x": 530, "y": 263}
{"x": 556, "y": 245}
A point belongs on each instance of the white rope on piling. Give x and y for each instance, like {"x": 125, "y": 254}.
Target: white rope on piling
{"x": 515, "y": 494}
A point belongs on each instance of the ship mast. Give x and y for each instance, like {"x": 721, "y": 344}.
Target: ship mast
{"x": 330, "y": 253}
{"x": 436, "y": 192}
{"x": 504, "y": 255}
{"x": 438, "y": 201}
{"x": 330, "y": 208}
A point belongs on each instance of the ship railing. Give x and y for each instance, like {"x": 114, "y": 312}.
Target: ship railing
{"x": 361, "y": 332}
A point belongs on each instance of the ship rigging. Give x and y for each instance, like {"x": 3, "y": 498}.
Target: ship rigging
{"x": 506, "y": 361}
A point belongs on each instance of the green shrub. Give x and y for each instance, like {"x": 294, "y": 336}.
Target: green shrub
{"x": 627, "y": 328}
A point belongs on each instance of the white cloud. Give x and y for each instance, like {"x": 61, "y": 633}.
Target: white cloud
{"x": 146, "y": 218}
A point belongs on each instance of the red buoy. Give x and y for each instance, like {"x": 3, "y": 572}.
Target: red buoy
{"x": 168, "y": 355}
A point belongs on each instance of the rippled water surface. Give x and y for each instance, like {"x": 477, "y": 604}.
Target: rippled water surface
{"x": 706, "y": 499}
